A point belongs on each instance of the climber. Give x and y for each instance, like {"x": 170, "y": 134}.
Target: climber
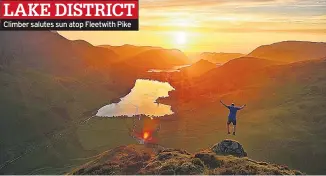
{"x": 232, "y": 118}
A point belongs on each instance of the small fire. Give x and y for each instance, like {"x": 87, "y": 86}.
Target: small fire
{"x": 145, "y": 135}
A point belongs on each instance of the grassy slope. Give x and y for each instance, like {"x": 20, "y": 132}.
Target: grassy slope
{"x": 48, "y": 144}
{"x": 135, "y": 159}
{"x": 283, "y": 122}
{"x": 285, "y": 130}
{"x": 40, "y": 114}
{"x": 49, "y": 87}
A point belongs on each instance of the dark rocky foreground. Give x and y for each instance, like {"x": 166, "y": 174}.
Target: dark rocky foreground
{"x": 227, "y": 157}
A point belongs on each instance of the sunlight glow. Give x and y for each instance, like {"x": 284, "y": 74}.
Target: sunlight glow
{"x": 221, "y": 25}
{"x": 180, "y": 38}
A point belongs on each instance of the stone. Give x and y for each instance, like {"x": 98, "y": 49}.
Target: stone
{"x": 229, "y": 147}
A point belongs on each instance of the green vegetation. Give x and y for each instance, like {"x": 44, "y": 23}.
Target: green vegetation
{"x": 46, "y": 97}
{"x": 135, "y": 159}
{"x": 282, "y": 123}
{"x": 41, "y": 118}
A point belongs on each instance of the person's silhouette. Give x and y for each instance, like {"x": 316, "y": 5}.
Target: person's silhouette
{"x": 232, "y": 118}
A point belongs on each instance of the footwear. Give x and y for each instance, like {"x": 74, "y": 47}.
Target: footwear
{"x": 234, "y": 133}
{"x": 229, "y": 133}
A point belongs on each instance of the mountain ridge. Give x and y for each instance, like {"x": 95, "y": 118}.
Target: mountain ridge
{"x": 291, "y": 51}
{"x": 219, "y": 57}
{"x": 198, "y": 68}
{"x": 225, "y": 158}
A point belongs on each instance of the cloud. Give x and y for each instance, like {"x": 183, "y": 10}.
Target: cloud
{"x": 230, "y": 29}
{"x": 304, "y": 16}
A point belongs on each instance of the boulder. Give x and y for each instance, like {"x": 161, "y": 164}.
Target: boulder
{"x": 229, "y": 147}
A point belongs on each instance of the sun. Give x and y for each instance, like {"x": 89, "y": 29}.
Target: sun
{"x": 180, "y": 38}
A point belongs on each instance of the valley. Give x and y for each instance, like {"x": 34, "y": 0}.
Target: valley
{"x": 52, "y": 89}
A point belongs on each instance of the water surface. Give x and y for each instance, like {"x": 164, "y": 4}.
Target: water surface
{"x": 141, "y": 100}
{"x": 174, "y": 69}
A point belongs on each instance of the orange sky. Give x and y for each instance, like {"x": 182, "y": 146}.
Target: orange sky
{"x": 218, "y": 25}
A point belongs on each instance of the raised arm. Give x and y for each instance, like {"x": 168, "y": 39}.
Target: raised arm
{"x": 243, "y": 106}
{"x": 223, "y": 103}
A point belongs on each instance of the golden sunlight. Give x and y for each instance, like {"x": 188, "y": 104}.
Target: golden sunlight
{"x": 180, "y": 38}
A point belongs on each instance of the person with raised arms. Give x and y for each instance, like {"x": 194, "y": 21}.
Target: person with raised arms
{"x": 232, "y": 118}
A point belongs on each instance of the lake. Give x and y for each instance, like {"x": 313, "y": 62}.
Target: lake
{"x": 174, "y": 69}
{"x": 141, "y": 100}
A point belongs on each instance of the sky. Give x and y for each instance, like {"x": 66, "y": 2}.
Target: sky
{"x": 218, "y": 25}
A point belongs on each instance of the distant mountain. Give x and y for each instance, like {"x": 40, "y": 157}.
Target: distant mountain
{"x": 198, "y": 68}
{"x": 219, "y": 58}
{"x": 291, "y": 51}
{"x": 239, "y": 66}
{"x": 158, "y": 59}
{"x": 53, "y": 53}
{"x": 232, "y": 75}
{"x": 220, "y": 75}
{"x": 148, "y": 57}
{"x": 128, "y": 51}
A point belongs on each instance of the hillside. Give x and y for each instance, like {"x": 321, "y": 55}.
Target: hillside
{"x": 226, "y": 77}
{"x": 245, "y": 64}
{"x": 158, "y": 59}
{"x": 49, "y": 87}
{"x": 52, "y": 53}
{"x": 246, "y": 72}
{"x": 237, "y": 68}
{"x": 219, "y": 58}
{"x": 148, "y": 57}
{"x": 128, "y": 51}
{"x": 198, "y": 68}
{"x": 221, "y": 159}
{"x": 291, "y": 51}
{"x": 284, "y": 113}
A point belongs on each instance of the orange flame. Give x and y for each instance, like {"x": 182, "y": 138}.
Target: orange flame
{"x": 145, "y": 135}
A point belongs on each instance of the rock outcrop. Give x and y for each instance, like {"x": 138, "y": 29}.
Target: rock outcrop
{"x": 156, "y": 160}
{"x": 229, "y": 147}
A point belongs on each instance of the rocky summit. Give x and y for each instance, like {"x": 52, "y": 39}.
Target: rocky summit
{"x": 225, "y": 158}
{"x": 229, "y": 147}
